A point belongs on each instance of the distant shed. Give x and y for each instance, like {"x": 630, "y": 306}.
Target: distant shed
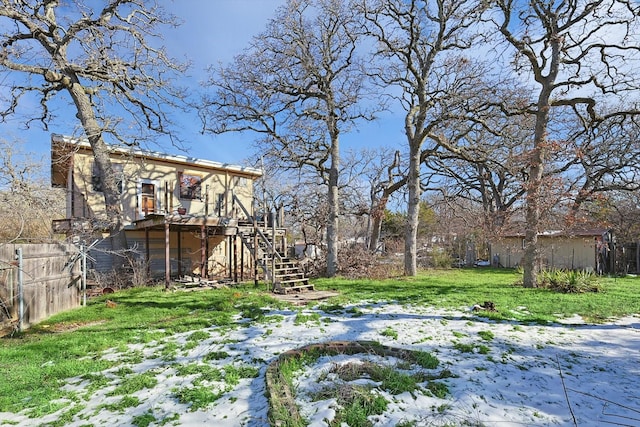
{"x": 574, "y": 249}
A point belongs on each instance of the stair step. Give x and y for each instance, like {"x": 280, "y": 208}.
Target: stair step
{"x": 287, "y": 273}
{"x": 291, "y": 282}
{"x": 289, "y": 279}
{"x": 292, "y": 289}
{"x": 287, "y": 269}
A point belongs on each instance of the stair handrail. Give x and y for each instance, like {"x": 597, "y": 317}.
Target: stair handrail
{"x": 269, "y": 244}
{"x": 269, "y": 270}
{"x": 254, "y": 250}
{"x": 260, "y": 233}
{"x": 244, "y": 210}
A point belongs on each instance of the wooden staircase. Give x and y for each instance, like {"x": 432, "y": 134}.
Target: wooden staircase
{"x": 285, "y": 274}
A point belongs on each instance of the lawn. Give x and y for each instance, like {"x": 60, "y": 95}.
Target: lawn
{"x": 35, "y": 364}
{"x": 466, "y": 287}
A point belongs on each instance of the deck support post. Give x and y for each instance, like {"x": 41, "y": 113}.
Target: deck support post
{"x": 167, "y": 254}
{"x": 203, "y": 251}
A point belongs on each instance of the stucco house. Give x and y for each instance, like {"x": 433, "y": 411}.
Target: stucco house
{"x": 567, "y": 249}
{"x": 183, "y": 215}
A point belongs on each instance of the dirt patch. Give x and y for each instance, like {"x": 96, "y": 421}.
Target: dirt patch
{"x": 69, "y": 326}
{"x": 304, "y": 298}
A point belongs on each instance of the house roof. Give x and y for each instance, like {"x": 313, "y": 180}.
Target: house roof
{"x": 171, "y": 158}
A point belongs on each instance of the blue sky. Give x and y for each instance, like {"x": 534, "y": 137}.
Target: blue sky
{"x": 213, "y": 31}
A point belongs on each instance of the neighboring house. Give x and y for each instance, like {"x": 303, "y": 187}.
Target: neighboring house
{"x": 575, "y": 250}
{"x": 182, "y": 214}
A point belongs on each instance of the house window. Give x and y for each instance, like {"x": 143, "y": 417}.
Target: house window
{"x": 219, "y": 203}
{"x": 240, "y": 181}
{"x": 96, "y": 181}
{"x": 148, "y": 198}
{"x": 190, "y": 186}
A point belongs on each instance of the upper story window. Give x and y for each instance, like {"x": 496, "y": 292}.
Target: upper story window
{"x": 240, "y": 181}
{"x": 190, "y": 186}
{"x": 96, "y": 181}
{"x": 147, "y": 198}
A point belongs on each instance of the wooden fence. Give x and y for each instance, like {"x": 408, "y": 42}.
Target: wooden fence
{"x": 48, "y": 284}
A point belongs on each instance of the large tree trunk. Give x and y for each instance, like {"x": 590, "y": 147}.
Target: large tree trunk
{"x": 530, "y": 259}
{"x": 108, "y": 179}
{"x": 332, "y": 224}
{"x": 376, "y": 216}
{"x": 378, "y": 206}
{"x": 413, "y": 212}
{"x": 534, "y": 183}
{"x": 536, "y": 169}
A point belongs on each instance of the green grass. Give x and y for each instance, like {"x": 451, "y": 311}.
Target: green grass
{"x": 34, "y": 364}
{"x": 486, "y": 335}
{"x": 425, "y": 359}
{"x": 389, "y": 332}
{"x": 355, "y": 404}
{"x": 143, "y": 420}
{"x": 438, "y": 389}
{"x": 302, "y": 318}
{"x": 358, "y": 406}
{"x": 122, "y": 404}
{"x": 215, "y": 355}
{"x": 198, "y": 336}
{"x": 133, "y": 383}
{"x": 198, "y": 397}
{"x": 201, "y": 372}
{"x": 462, "y": 288}
{"x": 394, "y": 381}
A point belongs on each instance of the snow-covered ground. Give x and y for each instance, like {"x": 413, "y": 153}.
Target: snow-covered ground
{"x": 561, "y": 374}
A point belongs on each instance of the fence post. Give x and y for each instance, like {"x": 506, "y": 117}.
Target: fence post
{"x": 20, "y": 290}
{"x": 83, "y": 251}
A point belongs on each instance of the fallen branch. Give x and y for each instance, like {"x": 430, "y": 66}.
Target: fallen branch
{"x": 566, "y": 395}
{"x": 611, "y": 402}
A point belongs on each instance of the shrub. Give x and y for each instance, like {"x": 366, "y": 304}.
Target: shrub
{"x": 355, "y": 262}
{"x": 441, "y": 259}
{"x": 569, "y": 281}
{"x": 132, "y": 274}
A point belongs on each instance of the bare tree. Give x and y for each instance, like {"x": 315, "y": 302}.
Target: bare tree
{"x": 620, "y": 210}
{"x": 385, "y": 178}
{"x": 489, "y": 168}
{"x": 491, "y": 184}
{"x": 420, "y": 43}
{"x": 105, "y": 59}
{"x": 300, "y": 86}
{"x": 461, "y": 227}
{"x": 27, "y": 202}
{"x": 605, "y": 158}
{"x": 576, "y": 55}
{"x": 304, "y": 207}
